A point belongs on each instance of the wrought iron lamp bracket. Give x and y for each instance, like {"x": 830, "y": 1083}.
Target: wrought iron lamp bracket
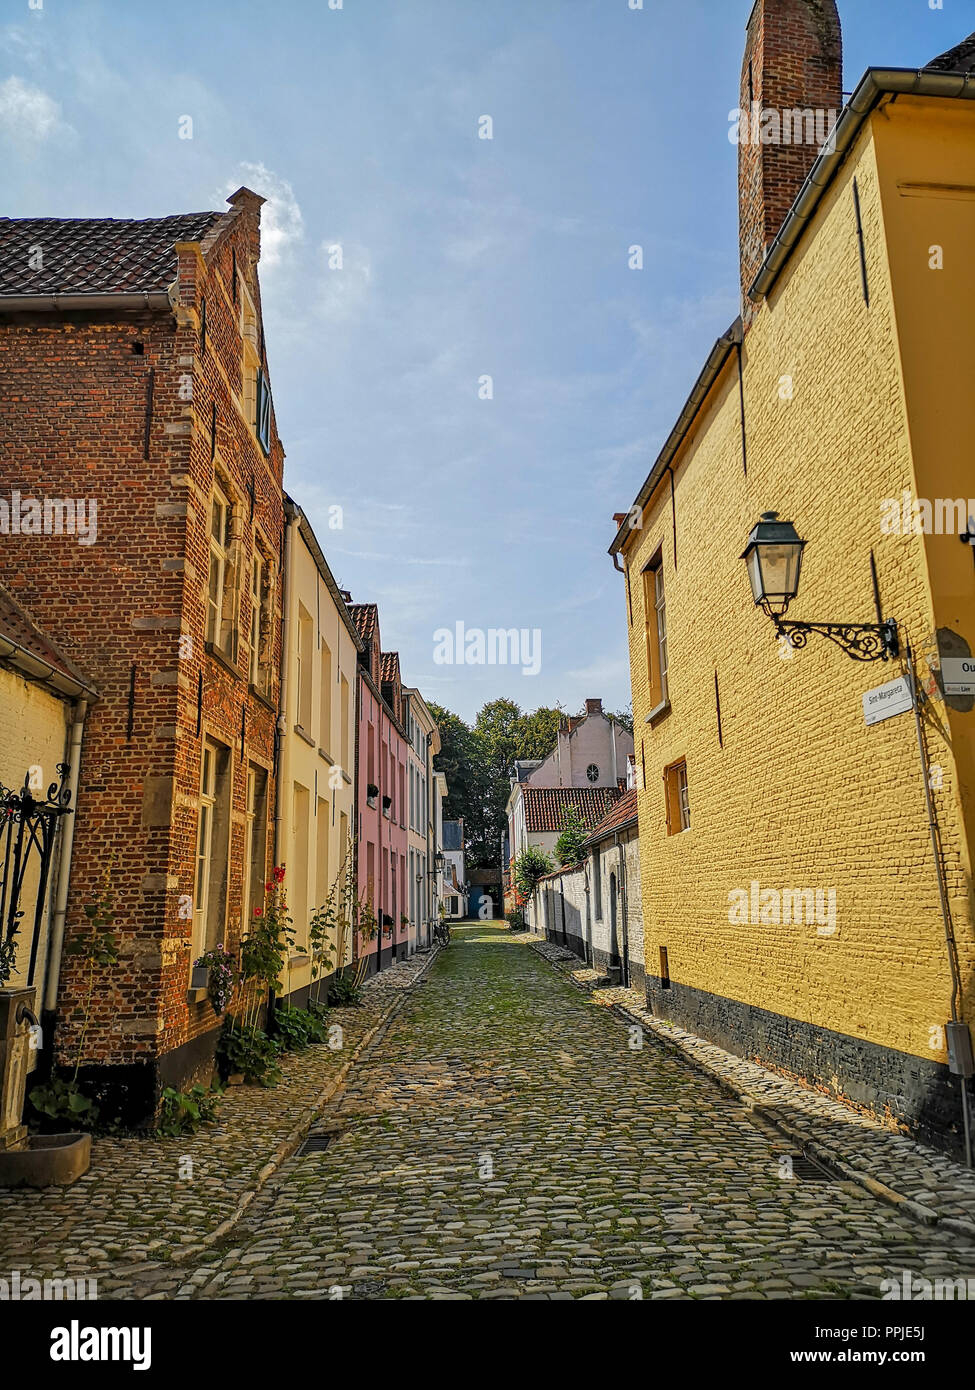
{"x": 861, "y": 641}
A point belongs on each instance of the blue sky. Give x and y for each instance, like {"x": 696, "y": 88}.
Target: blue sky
{"x": 462, "y": 258}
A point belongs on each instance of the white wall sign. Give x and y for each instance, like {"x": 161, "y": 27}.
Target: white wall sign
{"x": 958, "y": 675}
{"x": 887, "y": 700}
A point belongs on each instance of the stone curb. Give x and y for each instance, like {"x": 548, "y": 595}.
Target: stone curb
{"x": 290, "y": 1144}
{"x": 822, "y": 1153}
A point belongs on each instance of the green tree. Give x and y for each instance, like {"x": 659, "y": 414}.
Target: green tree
{"x": 569, "y": 846}
{"x": 624, "y": 718}
{"x": 529, "y": 866}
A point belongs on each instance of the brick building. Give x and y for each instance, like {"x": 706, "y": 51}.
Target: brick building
{"x": 847, "y": 386}
{"x": 137, "y": 401}
{"x": 382, "y": 758}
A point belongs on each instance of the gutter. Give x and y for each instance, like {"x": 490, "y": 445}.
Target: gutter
{"x": 712, "y": 369}
{"x": 65, "y": 303}
{"x": 875, "y": 84}
{"x": 284, "y": 692}
{"x": 35, "y": 668}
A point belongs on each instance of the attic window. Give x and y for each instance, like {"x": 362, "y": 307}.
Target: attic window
{"x": 592, "y": 772}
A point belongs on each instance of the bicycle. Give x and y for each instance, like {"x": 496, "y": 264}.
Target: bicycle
{"x": 441, "y": 934}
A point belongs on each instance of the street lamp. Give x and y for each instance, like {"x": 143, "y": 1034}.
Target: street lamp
{"x": 773, "y": 557}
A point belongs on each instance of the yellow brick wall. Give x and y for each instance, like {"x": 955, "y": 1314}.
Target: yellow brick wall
{"x": 802, "y": 794}
{"x": 33, "y": 733}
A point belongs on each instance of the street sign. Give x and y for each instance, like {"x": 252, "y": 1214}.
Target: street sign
{"x": 887, "y": 700}
{"x": 958, "y": 675}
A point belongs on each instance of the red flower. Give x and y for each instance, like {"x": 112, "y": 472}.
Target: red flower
{"x": 258, "y": 912}
{"x": 279, "y": 874}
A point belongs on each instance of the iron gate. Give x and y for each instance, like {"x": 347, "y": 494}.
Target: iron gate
{"x": 28, "y": 827}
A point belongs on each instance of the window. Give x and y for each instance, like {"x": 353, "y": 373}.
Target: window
{"x": 678, "y": 804}
{"x": 212, "y": 846}
{"x": 221, "y": 604}
{"x": 260, "y": 635}
{"x": 300, "y": 836}
{"x": 655, "y": 617}
{"x": 255, "y": 841}
{"x": 323, "y": 869}
{"x": 262, "y": 425}
{"x": 325, "y": 714}
{"x": 346, "y": 730}
{"x": 303, "y": 668}
{"x": 664, "y": 969}
{"x": 597, "y": 885}
{"x": 592, "y": 772}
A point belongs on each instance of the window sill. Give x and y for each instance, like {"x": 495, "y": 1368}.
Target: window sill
{"x": 658, "y": 712}
{"x": 328, "y": 758}
{"x": 195, "y": 996}
{"x": 224, "y": 659}
{"x": 301, "y": 959}
{"x": 264, "y": 699}
{"x": 301, "y": 734}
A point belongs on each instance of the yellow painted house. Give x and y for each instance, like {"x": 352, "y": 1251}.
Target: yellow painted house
{"x": 803, "y": 904}
{"x": 315, "y": 813}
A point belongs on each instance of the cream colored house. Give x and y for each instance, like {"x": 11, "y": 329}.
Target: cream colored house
{"x": 315, "y": 816}
{"x": 424, "y": 742}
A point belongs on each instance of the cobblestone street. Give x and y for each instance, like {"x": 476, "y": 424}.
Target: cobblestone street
{"x": 504, "y": 1140}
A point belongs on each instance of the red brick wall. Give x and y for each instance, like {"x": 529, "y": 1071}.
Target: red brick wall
{"x": 793, "y": 58}
{"x": 73, "y": 427}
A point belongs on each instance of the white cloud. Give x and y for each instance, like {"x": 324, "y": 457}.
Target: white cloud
{"x": 282, "y": 225}
{"x": 28, "y": 114}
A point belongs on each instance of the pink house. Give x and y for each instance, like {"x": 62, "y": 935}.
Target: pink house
{"x": 382, "y": 794}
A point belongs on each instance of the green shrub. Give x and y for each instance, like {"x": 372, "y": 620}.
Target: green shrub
{"x": 344, "y": 992}
{"x": 59, "y": 1100}
{"x": 183, "y": 1112}
{"x": 250, "y": 1051}
{"x": 296, "y": 1028}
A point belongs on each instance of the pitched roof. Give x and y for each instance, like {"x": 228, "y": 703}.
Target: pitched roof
{"x": 95, "y": 255}
{"x": 389, "y": 666}
{"x": 961, "y": 58}
{"x": 366, "y": 617}
{"x": 623, "y": 813}
{"x": 27, "y": 647}
{"x": 545, "y": 807}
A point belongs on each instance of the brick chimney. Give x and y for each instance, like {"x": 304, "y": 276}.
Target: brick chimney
{"x": 791, "y": 93}
{"x": 594, "y": 707}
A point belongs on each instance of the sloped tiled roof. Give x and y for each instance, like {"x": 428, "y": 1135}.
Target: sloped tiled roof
{"x": 366, "y": 617}
{"x": 545, "y": 806}
{"x": 97, "y": 255}
{"x": 389, "y": 667}
{"x": 50, "y": 664}
{"x": 961, "y": 58}
{"x": 623, "y": 813}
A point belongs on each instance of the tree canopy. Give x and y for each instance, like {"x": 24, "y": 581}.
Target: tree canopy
{"x": 477, "y": 761}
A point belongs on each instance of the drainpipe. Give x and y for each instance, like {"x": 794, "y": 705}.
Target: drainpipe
{"x": 284, "y": 694}
{"x": 624, "y": 924}
{"x": 612, "y": 739}
{"x": 52, "y": 966}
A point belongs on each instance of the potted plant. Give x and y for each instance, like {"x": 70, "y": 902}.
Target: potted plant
{"x": 216, "y": 973}
{"x": 372, "y": 793}
{"x": 387, "y": 803}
